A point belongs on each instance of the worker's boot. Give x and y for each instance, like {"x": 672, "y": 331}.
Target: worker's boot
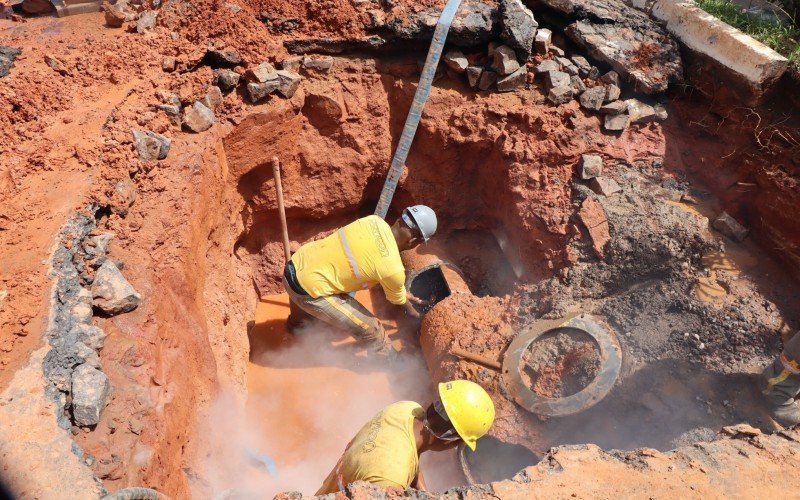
{"x": 297, "y": 319}
{"x": 780, "y": 384}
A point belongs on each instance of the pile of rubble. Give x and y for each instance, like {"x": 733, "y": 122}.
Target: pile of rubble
{"x": 88, "y": 283}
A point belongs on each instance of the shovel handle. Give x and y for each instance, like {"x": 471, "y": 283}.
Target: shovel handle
{"x": 491, "y": 363}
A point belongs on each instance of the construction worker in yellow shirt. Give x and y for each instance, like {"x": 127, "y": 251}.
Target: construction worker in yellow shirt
{"x": 322, "y": 274}
{"x": 385, "y": 452}
{"x": 780, "y": 383}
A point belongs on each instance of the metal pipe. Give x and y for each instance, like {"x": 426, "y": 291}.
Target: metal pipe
{"x": 461, "y": 353}
{"x": 276, "y": 171}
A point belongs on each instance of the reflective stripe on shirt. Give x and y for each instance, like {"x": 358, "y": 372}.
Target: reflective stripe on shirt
{"x": 351, "y": 259}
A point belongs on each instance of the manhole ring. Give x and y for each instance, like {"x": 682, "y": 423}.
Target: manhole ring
{"x": 610, "y": 359}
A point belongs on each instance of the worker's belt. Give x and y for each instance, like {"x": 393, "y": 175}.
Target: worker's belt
{"x": 290, "y": 273}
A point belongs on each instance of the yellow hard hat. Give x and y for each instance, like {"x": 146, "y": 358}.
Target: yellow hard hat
{"x": 469, "y": 408}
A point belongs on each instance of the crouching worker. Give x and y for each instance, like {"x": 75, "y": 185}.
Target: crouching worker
{"x": 321, "y": 275}
{"x": 385, "y": 452}
{"x": 780, "y": 383}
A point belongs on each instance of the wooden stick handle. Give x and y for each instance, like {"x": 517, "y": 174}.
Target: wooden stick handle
{"x": 491, "y": 363}
{"x": 276, "y": 171}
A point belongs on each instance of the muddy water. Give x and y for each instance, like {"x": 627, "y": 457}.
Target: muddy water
{"x": 310, "y": 393}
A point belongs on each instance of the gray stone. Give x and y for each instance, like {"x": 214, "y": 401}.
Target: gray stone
{"x": 117, "y": 14}
{"x": 168, "y": 64}
{"x": 288, "y": 83}
{"x": 557, "y": 51}
{"x": 146, "y": 21}
{"x": 475, "y": 23}
{"x": 88, "y": 354}
{"x": 456, "y": 61}
{"x": 616, "y": 123}
{"x": 544, "y": 37}
{"x": 546, "y": 66}
{"x": 474, "y": 75}
{"x": 7, "y": 57}
{"x": 582, "y": 64}
{"x": 292, "y": 64}
{"x": 519, "y": 27}
{"x": 213, "y": 98}
{"x": 258, "y": 91}
{"x": 90, "y": 391}
{"x": 593, "y": 98}
{"x": 90, "y": 335}
{"x": 173, "y": 112}
{"x": 614, "y": 108}
{"x": 223, "y": 58}
{"x": 491, "y": 48}
{"x": 150, "y": 145}
{"x": 262, "y": 73}
{"x": 612, "y": 92}
{"x": 556, "y": 79}
{"x": 661, "y": 113}
{"x": 567, "y": 66}
{"x": 488, "y": 78}
{"x": 604, "y": 186}
{"x": 111, "y": 292}
{"x": 513, "y": 81}
{"x": 318, "y": 63}
{"x": 101, "y": 242}
{"x": 504, "y": 61}
{"x": 578, "y": 86}
{"x": 225, "y": 79}
{"x": 591, "y": 166}
{"x": 594, "y": 73}
{"x": 560, "y": 95}
{"x": 198, "y": 118}
{"x": 612, "y": 78}
{"x": 640, "y": 112}
{"x": 730, "y": 227}
{"x": 124, "y": 196}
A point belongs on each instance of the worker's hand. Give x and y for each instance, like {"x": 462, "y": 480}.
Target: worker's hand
{"x": 416, "y": 300}
{"x": 410, "y": 309}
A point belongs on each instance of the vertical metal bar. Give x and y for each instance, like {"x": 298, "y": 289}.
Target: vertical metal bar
{"x": 415, "y": 113}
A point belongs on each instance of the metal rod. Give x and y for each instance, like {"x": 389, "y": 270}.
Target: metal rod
{"x": 415, "y": 113}
{"x": 491, "y": 363}
{"x": 276, "y": 171}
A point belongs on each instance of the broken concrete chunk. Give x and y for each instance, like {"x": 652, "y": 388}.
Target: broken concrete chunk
{"x": 513, "y": 81}
{"x": 264, "y": 72}
{"x": 221, "y": 58}
{"x": 616, "y": 123}
{"x": 225, "y": 79}
{"x": 577, "y": 85}
{"x": 612, "y": 78}
{"x": 150, "y": 145}
{"x": 319, "y": 63}
{"x": 90, "y": 390}
{"x": 560, "y": 95}
{"x": 544, "y": 37}
{"x": 730, "y": 227}
{"x": 258, "y": 91}
{"x": 614, "y": 108}
{"x": 519, "y": 27}
{"x": 582, "y": 64}
{"x": 288, "y": 83}
{"x": 640, "y": 112}
{"x": 488, "y": 78}
{"x": 90, "y": 335}
{"x": 146, "y": 21}
{"x": 213, "y": 98}
{"x": 594, "y": 218}
{"x": 556, "y": 79}
{"x": 591, "y": 166}
{"x": 111, "y": 291}
{"x": 593, "y": 98}
{"x": 474, "y": 75}
{"x": 546, "y": 66}
{"x": 504, "y": 61}
{"x": 456, "y": 61}
{"x": 604, "y": 186}
{"x": 198, "y": 118}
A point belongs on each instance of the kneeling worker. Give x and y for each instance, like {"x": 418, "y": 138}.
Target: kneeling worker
{"x": 385, "y": 452}
{"x": 781, "y": 384}
{"x": 321, "y": 274}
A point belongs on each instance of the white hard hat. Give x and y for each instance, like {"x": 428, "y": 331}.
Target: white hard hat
{"x": 423, "y": 218}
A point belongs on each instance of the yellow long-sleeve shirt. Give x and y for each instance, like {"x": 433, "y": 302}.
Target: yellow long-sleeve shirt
{"x": 356, "y": 256}
{"x": 384, "y": 452}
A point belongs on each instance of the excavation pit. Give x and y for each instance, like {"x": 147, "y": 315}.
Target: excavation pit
{"x": 494, "y": 460}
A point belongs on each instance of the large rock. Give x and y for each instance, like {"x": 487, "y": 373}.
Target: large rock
{"x": 514, "y": 81}
{"x": 213, "y": 98}
{"x": 262, "y": 73}
{"x": 456, "y": 61}
{"x": 640, "y": 112}
{"x": 222, "y": 58}
{"x": 111, "y": 291}
{"x": 487, "y": 79}
{"x": 288, "y": 83}
{"x": 591, "y": 166}
{"x": 519, "y": 27}
{"x": 225, "y": 79}
{"x": 258, "y": 91}
{"x": 730, "y": 227}
{"x": 474, "y": 76}
{"x": 616, "y": 123}
{"x": 90, "y": 390}
{"x": 150, "y": 145}
{"x": 614, "y": 108}
{"x": 625, "y": 38}
{"x": 593, "y": 98}
{"x": 504, "y": 60}
{"x": 475, "y": 24}
{"x": 7, "y": 56}
{"x": 556, "y": 79}
{"x": 198, "y": 118}
{"x": 560, "y": 95}
{"x": 546, "y": 66}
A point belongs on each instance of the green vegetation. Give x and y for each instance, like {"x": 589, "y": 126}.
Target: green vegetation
{"x": 783, "y": 38}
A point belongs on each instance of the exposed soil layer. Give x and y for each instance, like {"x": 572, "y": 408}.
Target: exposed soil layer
{"x": 560, "y": 364}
